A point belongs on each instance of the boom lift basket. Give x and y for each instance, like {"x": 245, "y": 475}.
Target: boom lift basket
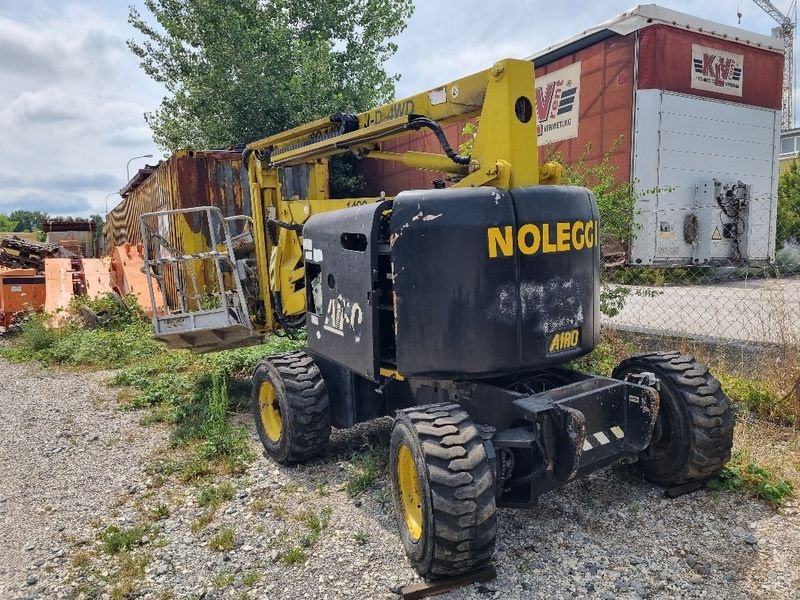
{"x": 191, "y": 254}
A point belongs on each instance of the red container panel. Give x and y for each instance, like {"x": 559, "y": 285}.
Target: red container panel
{"x": 394, "y": 177}
{"x": 666, "y": 62}
{"x": 604, "y": 120}
{"x": 605, "y": 105}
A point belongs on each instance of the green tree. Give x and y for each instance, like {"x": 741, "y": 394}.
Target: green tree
{"x": 7, "y": 224}
{"x": 238, "y": 70}
{"x": 28, "y": 220}
{"x": 788, "y": 227}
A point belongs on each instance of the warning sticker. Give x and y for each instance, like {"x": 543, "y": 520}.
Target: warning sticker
{"x": 716, "y": 235}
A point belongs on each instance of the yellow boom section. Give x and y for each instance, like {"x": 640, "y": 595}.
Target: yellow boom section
{"x": 504, "y": 155}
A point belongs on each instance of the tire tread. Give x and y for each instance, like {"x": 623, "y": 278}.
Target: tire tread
{"x": 710, "y": 416}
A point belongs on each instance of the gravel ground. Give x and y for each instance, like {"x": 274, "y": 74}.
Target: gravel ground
{"x": 65, "y": 453}
{"x": 607, "y": 536}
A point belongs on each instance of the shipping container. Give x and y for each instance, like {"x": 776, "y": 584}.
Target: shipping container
{"x": 21, "y": 290}
{"x": 188, "y": 179}
{"x": 689, "y": 111}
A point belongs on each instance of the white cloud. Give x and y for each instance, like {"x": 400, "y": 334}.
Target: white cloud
{"x": 71, "y": 106}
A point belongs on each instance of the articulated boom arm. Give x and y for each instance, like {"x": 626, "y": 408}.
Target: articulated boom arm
{"x": 504, "y": 155}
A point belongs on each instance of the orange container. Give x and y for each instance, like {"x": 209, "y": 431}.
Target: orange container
{"x": 20, "y": 290}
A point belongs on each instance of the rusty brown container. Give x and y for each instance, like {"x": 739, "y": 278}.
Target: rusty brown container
{"x": 189, "y": 178}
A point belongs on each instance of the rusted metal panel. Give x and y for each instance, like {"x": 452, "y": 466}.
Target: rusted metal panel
{"x": 126, "y": 276}
{"x": 96, "y": 276}
{"x": 20, "y": 290}
{"x": 187, "y": 179}
{"x": 604, "y": 106}
{"x": 60, "y": 287}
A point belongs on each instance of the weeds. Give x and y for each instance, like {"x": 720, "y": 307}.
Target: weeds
{"x": 223, "y": 540}
{"x": 81, "y": 559}
{"x": 365, "y": 467}
{"x": 196, "y": 469}
{"x": 259, "y": 503}
{"x": 222, "y": 580}
{"x": 132, "y": 566}
{"x": 293, "y": 556}
{"x": 279, "y": 510}
{"x": 159, "y": 512}
{"x": 760, "y": 397}
{"x": 201, "y": 522}
{"x": 213, "y": 496}
{"x": 116, "y": 539}
{"x": 742, "y": 473}
{"x": 315, "y": 523}
{"x": 190, "y": 392}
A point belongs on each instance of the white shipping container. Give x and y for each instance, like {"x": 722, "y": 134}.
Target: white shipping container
{"x": 692, "y": 150}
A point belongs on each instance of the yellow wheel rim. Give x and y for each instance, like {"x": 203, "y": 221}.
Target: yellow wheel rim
{"x": 270, "y": 411}
{"x": 410, "y": 497}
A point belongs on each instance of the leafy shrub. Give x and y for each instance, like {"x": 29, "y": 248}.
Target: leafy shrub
{"x": 788, "y": 224}
{"x": 36, "y": 332}
{"x": 615, "y": 199}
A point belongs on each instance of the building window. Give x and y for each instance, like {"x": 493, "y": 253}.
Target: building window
{"x": 788, "y": 145}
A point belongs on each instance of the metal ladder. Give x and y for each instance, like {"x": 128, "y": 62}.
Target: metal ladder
{"x": 204, "y": 309}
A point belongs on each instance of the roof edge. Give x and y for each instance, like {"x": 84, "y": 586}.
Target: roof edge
{"x": 646, "y": 15}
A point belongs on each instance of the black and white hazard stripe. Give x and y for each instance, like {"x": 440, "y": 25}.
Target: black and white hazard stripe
{"x": 603, "y": 437}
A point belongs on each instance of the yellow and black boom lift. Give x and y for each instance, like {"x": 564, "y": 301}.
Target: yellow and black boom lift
{"x": 456, "y": 310}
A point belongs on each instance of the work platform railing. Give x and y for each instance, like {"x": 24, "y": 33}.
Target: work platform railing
{"x": 191, "y": 254}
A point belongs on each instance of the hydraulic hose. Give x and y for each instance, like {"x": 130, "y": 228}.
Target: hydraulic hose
{"x": 417, "y": 122}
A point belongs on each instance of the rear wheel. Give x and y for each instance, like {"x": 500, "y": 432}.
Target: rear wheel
{"x": 443, "y": 490}
{"x": 694, "y": 428}
{"x": 291, "y": 408}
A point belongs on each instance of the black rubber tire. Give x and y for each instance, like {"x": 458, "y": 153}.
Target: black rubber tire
{"x": 457, "y": 490}
{"x": 695, "y": 415}
{"x": 303, "y": 403}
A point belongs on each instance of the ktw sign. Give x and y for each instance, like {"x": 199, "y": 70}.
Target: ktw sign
{"x": 717, "y": 71}
{"x": 558, "y": 104}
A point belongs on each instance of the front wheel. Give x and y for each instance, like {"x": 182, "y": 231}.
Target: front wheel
{"x": 694, "y": 429}
{"x": 291, "y": 407}
{"x": 443, "y": 490}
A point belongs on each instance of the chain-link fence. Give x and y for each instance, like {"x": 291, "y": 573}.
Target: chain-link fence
{"x": 730, "y": 300}
{"x": 712, "y": 261}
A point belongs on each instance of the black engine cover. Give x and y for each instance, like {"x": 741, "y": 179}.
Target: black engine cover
{"x": 488, "y": 281}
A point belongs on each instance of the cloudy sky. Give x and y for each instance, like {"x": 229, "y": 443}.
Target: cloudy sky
{"x": 72, "y": 96}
